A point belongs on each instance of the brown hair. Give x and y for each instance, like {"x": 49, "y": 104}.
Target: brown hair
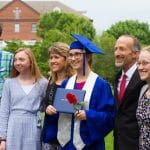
{"x": 89, "y": 58}
{"x": 35, "y": 71}
{"x": 61, "y": 49}
{"x": 147, "y": 48}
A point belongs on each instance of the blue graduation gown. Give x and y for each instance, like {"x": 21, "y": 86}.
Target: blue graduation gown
{"x": 99, "y": 122}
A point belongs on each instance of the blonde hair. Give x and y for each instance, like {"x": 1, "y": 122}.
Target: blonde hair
{"x": 61, "y": 49}
{"x": 35, "y": 71}
{"x": 147, "y": 48}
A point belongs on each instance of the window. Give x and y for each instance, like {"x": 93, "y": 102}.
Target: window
{"x": 31, "y": 42}
{"x": 17, "y": 13}
{"x": 17, "y": 27}
{"x": 33, "y": 27}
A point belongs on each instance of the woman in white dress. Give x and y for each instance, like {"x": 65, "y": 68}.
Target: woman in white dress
{"x": 20, "y": 126}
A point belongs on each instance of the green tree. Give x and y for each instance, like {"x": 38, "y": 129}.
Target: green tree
{"x": 66, "y": 23}
{"x": 104, "y": 64}
{"x": 56, "y": 26}
{"x": 13, "y": 45}
{"x": 135, "y": 28}
{"x": 41, "y": 54}
{"x": 107, "y": 40}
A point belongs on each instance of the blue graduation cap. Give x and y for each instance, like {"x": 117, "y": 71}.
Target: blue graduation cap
{"x": 84, "y": 44}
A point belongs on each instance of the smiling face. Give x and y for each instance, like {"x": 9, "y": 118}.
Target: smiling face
{"x": 76, "y": 59}
{"x": 57, "y": 62}
{"x": 22, "y": 62}
{"x": 144, "y": 65}
{"x": 125, "y": 57}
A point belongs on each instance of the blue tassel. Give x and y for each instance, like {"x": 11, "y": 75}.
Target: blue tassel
{"x": 84, "y": 58}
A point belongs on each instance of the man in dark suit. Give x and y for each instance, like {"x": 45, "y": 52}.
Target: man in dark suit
{"x": 126, "y": 132}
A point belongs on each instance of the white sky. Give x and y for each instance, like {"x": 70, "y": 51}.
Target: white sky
{"x": 107, "y": 12}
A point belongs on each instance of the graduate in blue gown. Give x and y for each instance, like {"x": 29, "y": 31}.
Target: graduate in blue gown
{"x": 86, "y": 129}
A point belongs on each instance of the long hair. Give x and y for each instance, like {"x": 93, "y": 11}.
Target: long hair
{"x": 147, "y": 48}
{"x": 61, "y": 49}
{"x": 35, "y": 71}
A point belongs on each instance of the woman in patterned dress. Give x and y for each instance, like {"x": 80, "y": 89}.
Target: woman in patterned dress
{"x": 20, "y": 126}
{"x": 143, "y": 110}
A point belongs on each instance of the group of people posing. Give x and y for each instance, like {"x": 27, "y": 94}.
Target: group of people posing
{"x": 126, "y": 111}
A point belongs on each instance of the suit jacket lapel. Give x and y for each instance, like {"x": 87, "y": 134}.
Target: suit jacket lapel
{"x": 115, "y": 88}
{"x": 135, "y": 80}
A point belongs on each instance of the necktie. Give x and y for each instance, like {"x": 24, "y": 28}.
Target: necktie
{"x": 122, "y": 87}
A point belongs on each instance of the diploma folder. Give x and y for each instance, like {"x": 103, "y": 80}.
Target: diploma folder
{"x": 61, "y": 103}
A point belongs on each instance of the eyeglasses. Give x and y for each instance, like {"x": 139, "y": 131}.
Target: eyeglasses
{"x": 75, "y": 55}
{"x": 143, "y": 63}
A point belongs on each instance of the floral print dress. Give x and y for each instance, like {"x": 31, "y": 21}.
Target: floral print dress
{"x": 143, "y": 117}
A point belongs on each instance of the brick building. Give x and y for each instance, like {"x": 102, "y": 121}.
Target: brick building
{"x": 19, "y": 18}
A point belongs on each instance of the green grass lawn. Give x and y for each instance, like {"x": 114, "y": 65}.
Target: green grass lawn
{"x": 109, "y": 141}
